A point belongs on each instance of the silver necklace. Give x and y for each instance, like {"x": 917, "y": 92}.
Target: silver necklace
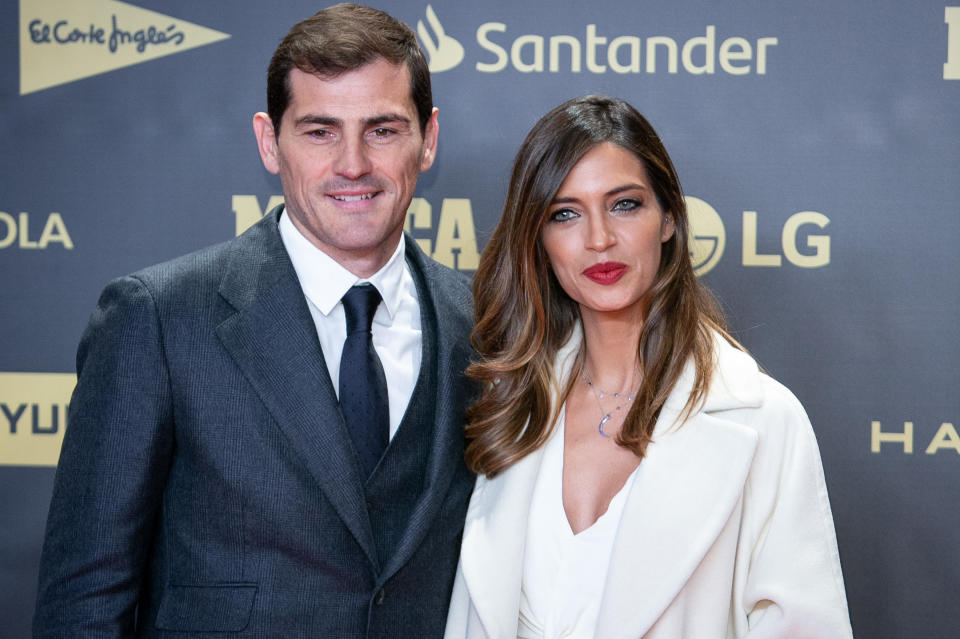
{"x": 599, "y": 394}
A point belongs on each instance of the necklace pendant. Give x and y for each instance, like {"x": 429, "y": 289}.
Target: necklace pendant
{"x": 606, "y": 418}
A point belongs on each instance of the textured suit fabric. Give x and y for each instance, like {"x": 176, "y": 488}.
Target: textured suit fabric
{"x": 207, "y": 482}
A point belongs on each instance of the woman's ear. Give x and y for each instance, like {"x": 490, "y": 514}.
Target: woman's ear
{"x": 667, "y": 227}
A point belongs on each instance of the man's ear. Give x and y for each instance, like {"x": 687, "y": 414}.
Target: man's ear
{"x": 430, "y": 141}
{"x": 266, "y": 142}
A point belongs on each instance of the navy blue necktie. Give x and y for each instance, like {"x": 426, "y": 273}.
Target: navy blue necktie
{"x": 363, "y": 386}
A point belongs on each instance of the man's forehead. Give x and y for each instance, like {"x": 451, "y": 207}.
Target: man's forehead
{"x": 370, "y": 89}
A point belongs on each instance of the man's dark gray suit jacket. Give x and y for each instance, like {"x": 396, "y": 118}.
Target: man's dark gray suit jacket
{"x": 208, "y": 485}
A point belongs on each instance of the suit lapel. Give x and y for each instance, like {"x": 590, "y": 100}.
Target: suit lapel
{"x": 447, "y": 348}
{"x": 272, "y": 338}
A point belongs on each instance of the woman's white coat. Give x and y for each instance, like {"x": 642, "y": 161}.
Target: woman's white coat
{"x": 726, "y": 533}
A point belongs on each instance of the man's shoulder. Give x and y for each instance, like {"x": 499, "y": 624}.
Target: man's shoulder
{"x": 206, "y": 267}
{"x": 456, "y": 284}
{"x": 451, "y": 290}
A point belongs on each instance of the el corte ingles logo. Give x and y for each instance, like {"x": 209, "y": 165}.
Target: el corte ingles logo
{"x": 66, "y": 40}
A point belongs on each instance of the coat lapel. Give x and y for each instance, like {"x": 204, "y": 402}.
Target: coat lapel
{"x": 449, "y": 334}
{"x": 494, "y": 537}
{"x": 686, "y": 488}
{"x": 272, "y": 338}
{"x": 495, "y": 531}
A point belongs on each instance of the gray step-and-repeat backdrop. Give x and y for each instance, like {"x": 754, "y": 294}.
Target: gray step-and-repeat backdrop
{"x": 818, "y": 142}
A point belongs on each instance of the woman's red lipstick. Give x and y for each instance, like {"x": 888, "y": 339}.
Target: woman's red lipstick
{"x": 606, "y": 272}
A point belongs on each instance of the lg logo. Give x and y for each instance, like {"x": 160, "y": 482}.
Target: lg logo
{"x": 708, "y": 239}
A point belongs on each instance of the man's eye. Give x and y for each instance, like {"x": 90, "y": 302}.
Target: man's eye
{"x": 319, "y": 133}
{"x": 382, "y": 132}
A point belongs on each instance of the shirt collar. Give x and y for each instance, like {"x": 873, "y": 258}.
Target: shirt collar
{"x": 324, "y": 281}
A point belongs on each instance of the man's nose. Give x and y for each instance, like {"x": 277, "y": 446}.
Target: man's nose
{"x": 353, "y": 159}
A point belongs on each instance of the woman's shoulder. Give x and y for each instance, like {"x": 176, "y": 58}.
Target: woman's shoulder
{"x": 760, "y": 401}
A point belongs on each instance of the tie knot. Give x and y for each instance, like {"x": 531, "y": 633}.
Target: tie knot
{"x": 360, "y": 303}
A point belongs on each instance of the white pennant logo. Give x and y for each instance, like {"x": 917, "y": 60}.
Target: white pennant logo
{"x": 66, "y": 40}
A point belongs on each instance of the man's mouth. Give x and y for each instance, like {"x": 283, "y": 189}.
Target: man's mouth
{"x": 353, "y": 198}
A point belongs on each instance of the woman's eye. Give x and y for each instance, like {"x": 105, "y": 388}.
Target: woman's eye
{"x": 627, "y": 204}
{"x": 562, "y": 215}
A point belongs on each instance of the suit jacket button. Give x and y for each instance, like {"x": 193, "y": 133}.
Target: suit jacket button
{"x": 378, "y": 599}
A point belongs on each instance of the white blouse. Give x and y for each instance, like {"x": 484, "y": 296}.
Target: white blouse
{"x": 563, "y": 573}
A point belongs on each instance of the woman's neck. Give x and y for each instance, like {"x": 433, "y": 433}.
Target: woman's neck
{"x": 610, "y": 342}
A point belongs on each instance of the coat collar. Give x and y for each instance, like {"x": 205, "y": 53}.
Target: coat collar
{"x": 677, "y": 505}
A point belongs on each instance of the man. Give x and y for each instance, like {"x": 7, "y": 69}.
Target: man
{"x": 241, "y": 457}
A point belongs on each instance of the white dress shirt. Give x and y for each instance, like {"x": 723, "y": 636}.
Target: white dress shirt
{"x": 397, "y": 335}
{"x": 564, "y": 573}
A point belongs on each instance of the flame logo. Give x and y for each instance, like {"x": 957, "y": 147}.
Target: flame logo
{"x": 442, "y": 51}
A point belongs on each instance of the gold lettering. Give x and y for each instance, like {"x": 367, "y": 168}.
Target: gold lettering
{"x": 11, "y": 233}
{"x": 671, "y": 47}
{"x": 592, "y": 41}
{"x": 735, "y": 49}
{"x": 25, "y": 242}
{"x": 613, "y": 59}
{"x": 457, "y": 232}
{"x": 33, "y": 413}
{"x": 877, "y": 437}
{"x": 419, "y": 215}
{"x": 247, "y": 211}
{"x": 946, "y": 437}
{"x": 573, "y": 43}
{"x": 821, "y": 243}
{"x": 706, "y": 42}
{"x": 487, "y": 44}
{"x": 55, "y": 231}
{"x": 951, "y": 68}
{"x": 750, "y": 255}
{"x": 762, "y": 44}
{"x": 516, "y": 55}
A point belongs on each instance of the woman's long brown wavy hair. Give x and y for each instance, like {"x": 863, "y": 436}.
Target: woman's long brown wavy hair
{"x": 524, "y": 316}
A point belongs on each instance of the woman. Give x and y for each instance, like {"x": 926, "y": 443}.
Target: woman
{"x": 639, "y": 476}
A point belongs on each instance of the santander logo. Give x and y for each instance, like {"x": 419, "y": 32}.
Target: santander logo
{"x": 443, "y": 51}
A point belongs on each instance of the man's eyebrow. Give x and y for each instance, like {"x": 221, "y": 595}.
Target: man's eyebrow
{"x": 324, "y": 120}
{"x": 318, "y": 119}
{"x": 387, "y": 117}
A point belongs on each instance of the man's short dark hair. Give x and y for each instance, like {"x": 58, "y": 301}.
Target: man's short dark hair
{"x": 341, "y": 38}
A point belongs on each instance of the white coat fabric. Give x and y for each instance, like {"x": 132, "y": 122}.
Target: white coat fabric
{"x": 726, "y": 533}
